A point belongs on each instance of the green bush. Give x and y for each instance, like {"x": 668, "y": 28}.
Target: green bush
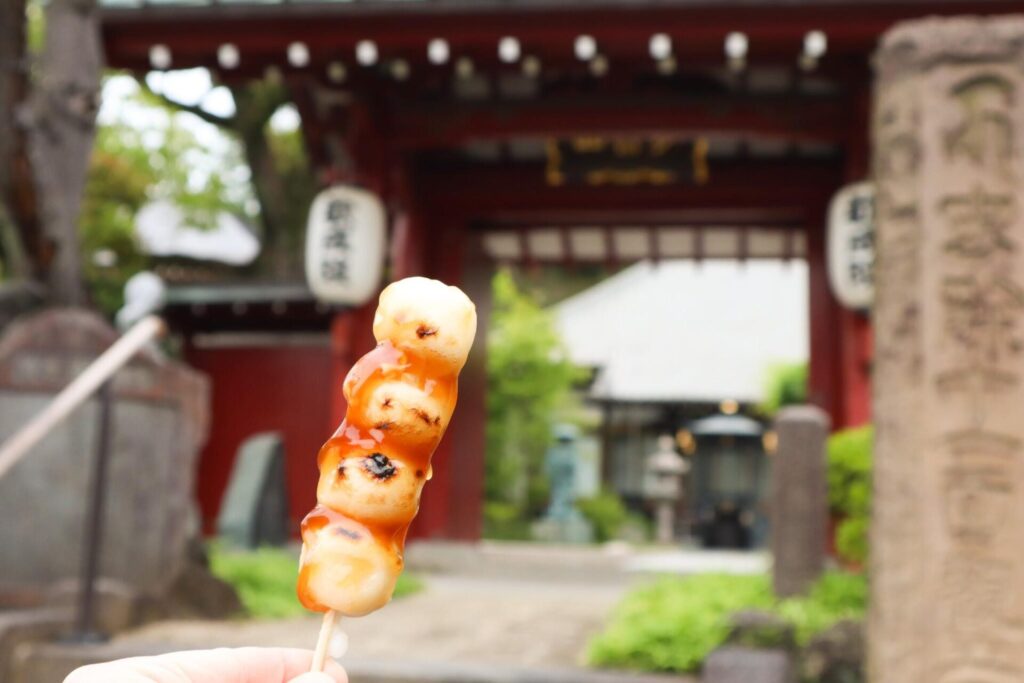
{"x": 505, "y": 522}
{"x": 786, "y": 385}
{"x": 265, "y": 580}
{"x": 529, "y": 383}
{"x": 836, "y": 596}
{"x": 849, "y": 489}
{"x": 674, "y": 623}
{"x": 607, "y": 515}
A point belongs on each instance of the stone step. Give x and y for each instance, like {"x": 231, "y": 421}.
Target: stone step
{"x": 519, "y": 560}
{"x": 18, "y": 627}
{"x": 38, "y": 662}
{"x": 611, "y": 562}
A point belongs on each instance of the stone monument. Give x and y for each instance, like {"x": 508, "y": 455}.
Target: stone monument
{"x": 159, "y": 421}
{"x": 799, "y": 499}
{"x": 947, "y": 575}
{"x": 254, "y": 511}
{"x": 562, "y": 522}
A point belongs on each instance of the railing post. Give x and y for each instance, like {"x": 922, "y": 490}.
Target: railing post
{"x": 85, "y": 626}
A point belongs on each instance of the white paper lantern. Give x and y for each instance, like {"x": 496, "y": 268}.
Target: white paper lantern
{"x": 345, "y": 245}
{"x": 851, "y": 245}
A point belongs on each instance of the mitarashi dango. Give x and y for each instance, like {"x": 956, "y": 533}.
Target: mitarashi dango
{"x": 400, "y": 399}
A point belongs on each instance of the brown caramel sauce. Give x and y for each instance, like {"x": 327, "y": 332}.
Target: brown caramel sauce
{"x": 354, "y": 437}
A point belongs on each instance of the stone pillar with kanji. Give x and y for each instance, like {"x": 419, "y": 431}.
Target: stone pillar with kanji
{"x": 947, "y": 572}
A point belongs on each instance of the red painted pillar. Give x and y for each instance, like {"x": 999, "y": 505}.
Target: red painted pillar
{"x": 855, "y": 369}
{"x": 839, "y": 379}
{"x": 856, "y": 337}
{"x": 468, "y": 429}
{"x": 825, "y": 377}
{"x": 351, "y": 337}
{"x": 452, "y": 503}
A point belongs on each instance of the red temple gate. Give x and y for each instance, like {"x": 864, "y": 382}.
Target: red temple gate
{"x": 449, "y": 109}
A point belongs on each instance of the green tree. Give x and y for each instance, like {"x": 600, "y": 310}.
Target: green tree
{"x": 282, "y": 179}
{"x": 136, "y": 159}
{"x": 786, "y": 385}
{"x": 120, "y": 175}
{"x": 530, "y": 380}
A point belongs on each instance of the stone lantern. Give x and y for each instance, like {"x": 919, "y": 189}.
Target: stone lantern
{"x": 665, "y": 470}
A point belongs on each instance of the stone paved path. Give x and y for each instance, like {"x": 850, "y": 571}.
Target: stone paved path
{"x": 501, "y": 622}
{"x": 488, "y": 611}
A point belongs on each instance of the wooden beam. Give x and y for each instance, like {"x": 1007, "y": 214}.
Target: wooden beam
{"x": 794, "y": 119}
{"x": 759, "y": 193}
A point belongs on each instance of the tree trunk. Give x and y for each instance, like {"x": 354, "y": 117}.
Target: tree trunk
{"x": 269, "y": 190}
{"x": 60, "y": 123}
{"x": 12, "y": 81}
{"x": 255, "y": 104}
{"x": 18, "y": 222}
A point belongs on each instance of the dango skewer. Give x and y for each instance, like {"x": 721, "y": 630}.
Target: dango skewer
{"x": 400, "y": 397}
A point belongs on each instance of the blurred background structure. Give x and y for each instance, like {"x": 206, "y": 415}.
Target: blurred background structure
{"x": 664, "y": 211}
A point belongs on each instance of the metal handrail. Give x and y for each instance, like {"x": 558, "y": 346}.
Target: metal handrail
{"x": 80, "y": 389}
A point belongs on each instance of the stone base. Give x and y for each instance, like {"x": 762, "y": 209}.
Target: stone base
{"x": 757, "y": 629}
{"x": 117, "y": 604}
{"x": 835, "y": 655}
{"x": 195, "y": 594}
{"x": 51, "y": 662}
{"x": 573, "y": 529}
{"x": 21, "y": 627}
{"x": 734, "y": 664}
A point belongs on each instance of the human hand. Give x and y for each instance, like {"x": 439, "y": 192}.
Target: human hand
{"x": 242, "y": 665}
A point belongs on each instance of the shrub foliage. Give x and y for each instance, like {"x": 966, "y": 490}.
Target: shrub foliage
{"x": 529, "y": 380}
{"x": 265, "y": 580}
{"x": 674, "y": 623}
{"x": 849, "y": 489}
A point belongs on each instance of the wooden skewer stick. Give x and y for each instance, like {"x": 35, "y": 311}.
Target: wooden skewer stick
{"x": 324, "y": 640}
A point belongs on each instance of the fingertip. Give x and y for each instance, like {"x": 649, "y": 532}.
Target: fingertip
{"x": 315, "y": 678}
{"x": 337, "y": 672}
{"x": 298, "y": 663}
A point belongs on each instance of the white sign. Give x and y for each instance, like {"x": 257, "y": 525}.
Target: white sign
{"x": 345, "y": 245}
{"x": 851, "y": 245}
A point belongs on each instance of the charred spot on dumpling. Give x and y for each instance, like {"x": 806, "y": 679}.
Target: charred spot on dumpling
{"x": 425, "y": 331}
{"x": 386, "y": 403}
{"x": 341, "y": 471}
{"x": 384, "y": 425}
{"x": 419, "y": 474}
{"x": 379, "y": 466}
{"x": 425, "y": 416}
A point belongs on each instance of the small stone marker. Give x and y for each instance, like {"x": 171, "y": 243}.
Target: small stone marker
{"x": 799, "y": 499}
{"x": 159, "y": 418}
{"x": 735, "y": 664}
{"x": 255, "y": 507}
